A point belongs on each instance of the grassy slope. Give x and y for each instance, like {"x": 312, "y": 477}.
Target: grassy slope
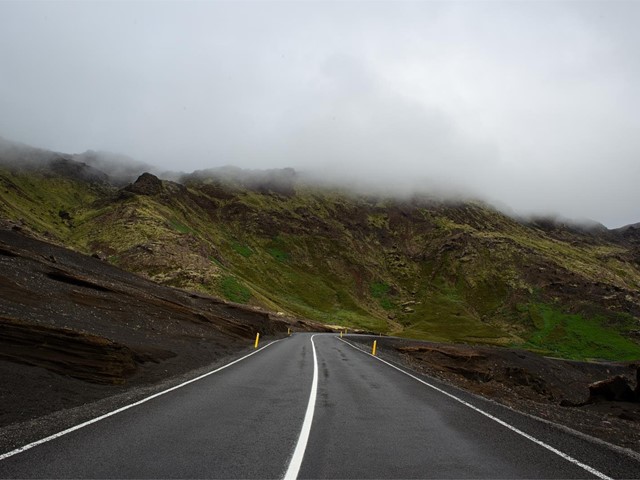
{"x": 423, "y": 270}
{"x": 38, "y": 199}
{"x": 573, "y": 336}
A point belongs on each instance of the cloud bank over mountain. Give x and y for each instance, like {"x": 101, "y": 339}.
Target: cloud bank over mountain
{"x": 529, "y": 104}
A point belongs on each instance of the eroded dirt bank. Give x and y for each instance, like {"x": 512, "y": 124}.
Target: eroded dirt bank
{"x": 74, "y": 329}
{"x": 550, "y": 388}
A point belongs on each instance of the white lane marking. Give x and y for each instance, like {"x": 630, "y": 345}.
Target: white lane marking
{"x": 122, "y": 409}
{"x": 298, "y": 453}
{"x": 567, "y": 457}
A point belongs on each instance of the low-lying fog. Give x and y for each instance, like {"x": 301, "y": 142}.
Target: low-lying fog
{"x": 532, "y": 105}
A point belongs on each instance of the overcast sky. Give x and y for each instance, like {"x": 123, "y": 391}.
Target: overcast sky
{"x": 532, "y": 104}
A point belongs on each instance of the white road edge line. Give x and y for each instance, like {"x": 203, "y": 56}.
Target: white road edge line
{"x": 298, "y": 453}
{"x": 567, "y": 457}
{"x": 126, "y": 407}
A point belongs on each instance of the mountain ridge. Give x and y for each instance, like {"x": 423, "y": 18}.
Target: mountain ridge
{"x": 415, "y": 266}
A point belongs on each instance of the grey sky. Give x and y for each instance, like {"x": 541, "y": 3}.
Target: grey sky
{"x": 531, "y": 104}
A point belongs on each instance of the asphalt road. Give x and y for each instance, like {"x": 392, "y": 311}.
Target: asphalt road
{"x": 365, "y": 419}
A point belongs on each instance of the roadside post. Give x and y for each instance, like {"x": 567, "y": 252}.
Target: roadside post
{"x": 257, "y": 340}
{"x": 373, "y": 350}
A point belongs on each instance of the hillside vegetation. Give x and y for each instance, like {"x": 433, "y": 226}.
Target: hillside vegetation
{"x": 414, "y": 267}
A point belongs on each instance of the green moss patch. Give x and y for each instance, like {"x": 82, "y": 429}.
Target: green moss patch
{"x": 574, "y": 336}
{"x": 382, "y": 292}
{"x": 241, "y": 249}
{"x": 233, "y": 290}
{"x": 179, "y": 226}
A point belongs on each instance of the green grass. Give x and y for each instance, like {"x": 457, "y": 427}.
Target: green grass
{"x": 241, "y": 249}
{"x": 215, "y": 261}
{"x": 233, "y": 290}
{"x": 278, "y": 254}
{"x": 379, "y": 289}
{"x": 454, "y": 329}
{"x": 179, "y": 226}
{"x": 378, "y": 220}
{"x": 381, "y": 292}
{"x": 37, "y": 199}
{"x": 358, "y": 319}
{"x": 574, "y": 336}
{"x": 279, "y": 248}
{"x": 443, "y": 314}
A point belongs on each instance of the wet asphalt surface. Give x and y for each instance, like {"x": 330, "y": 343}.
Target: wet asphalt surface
{"x": 370, "y": 421}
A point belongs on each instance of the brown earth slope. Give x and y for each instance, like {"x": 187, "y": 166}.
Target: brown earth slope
{"x": 75, "y": 329}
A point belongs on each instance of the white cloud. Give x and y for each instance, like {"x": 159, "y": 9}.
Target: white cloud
{"x": 533, "y": 104}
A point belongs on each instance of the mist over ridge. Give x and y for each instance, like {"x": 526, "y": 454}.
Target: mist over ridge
{"x": 122, "y": 170}
{"x": 472, "y": 98}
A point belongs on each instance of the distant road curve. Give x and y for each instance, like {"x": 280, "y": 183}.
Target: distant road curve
{"x": 313, "y": 406}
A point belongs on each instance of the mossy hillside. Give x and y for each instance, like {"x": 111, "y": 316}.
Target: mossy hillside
{"x": 482, "y": 269}
{"x": 46, "y": 203}
{"x": 446, "y": 308}
{"x": 485, "y": 270}
{"x": 163, "y": 238}
{"x": 331, "y": 251}
{"x": 561, "y": 334}
{"x": 450, "y": 272}
{"x": 306, "y": 280}
{"x": 234, "y": 290}
{"x": 86, "y": 216}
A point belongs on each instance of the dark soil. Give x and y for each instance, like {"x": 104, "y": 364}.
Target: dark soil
{"x": 74, "y": 329}
{"x": 550, "y": 388}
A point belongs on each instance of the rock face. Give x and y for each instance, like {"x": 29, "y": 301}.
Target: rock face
{"x": 67, "y": 352}
{"x": 146, "y": 184}
{"x": 616, "y": 389}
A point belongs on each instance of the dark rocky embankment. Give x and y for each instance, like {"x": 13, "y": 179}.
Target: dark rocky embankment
{"x": 74, "y": 329}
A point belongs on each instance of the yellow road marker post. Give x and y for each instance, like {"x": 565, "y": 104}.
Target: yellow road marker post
{"x": 288, "y": 331}
{"x": 340, "y": 333}
{"x": 373, "y": 350}
{"x": 257, "y": 340}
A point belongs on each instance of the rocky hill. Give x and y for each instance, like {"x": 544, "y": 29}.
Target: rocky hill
{"x": 416, "y": 266}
